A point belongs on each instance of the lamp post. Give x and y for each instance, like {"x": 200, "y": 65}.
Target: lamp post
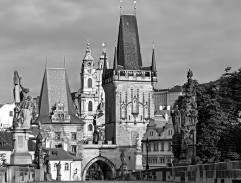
{"x": 147, "y": 145}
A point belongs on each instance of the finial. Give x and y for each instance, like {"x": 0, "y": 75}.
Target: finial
{"x": 135, "y": 7}
{"x": 103, "y": 48}
{"x": 153, "y": 45}
{"x": 121, "y": 7}
{"x": 88, "y": 45}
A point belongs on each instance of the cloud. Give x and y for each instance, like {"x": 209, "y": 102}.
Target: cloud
{"x": 203, "y": 35}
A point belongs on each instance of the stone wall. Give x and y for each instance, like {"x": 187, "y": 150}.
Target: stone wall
{"x": 225, "y": 172}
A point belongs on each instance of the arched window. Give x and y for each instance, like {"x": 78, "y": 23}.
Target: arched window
{"x": 90, "y": 107}
{"x": 90, "y": 127}
{"x": 66, "y": 166}
{"x": 89, "y": 83}
{"x": 55, "y": 166}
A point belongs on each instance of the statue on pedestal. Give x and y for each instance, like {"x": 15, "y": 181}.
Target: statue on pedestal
{"x": 184, "y": 124}
{"x": 123, "y": 168}
{"x": 58, "y": 166}
{"x": 24, "y": 105}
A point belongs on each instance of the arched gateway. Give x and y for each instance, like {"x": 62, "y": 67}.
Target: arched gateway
{"x": 99, "y": 168}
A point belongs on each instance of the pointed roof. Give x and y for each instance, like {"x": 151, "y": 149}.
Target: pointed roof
{"x": 115, "y": 65}
{"x": 128, "y": 47}
{"x": 88, "y": 56}
{"x": 153, "y": 64}
{"x": 55, "y": 88}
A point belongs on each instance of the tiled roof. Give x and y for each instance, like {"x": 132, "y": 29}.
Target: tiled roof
{"x": 128, "y": 47}
{"x": 57, "y": 154}
{"x": 7, "y": 144}
{"x": 55, "y": 88}
{"x": 176, "y": 88}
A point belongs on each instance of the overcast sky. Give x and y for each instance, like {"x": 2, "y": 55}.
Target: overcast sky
{"x": 203, "y": 35}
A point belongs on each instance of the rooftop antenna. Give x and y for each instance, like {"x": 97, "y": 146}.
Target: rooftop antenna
{"x": 121, "y": 7}
{"x": 135, "y": 7}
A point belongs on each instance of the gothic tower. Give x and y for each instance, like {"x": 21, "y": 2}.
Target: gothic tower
{"x": 129, "y": 87}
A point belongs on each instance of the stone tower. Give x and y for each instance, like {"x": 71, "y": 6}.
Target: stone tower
{"x": 91, "y": 95}
{"x": 129, "y": 87}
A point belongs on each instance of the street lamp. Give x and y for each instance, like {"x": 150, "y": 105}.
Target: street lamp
{"x": 147, "y": 145}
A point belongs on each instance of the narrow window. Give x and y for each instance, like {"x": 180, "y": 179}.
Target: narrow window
{"x": 90, "y": 107}
{"x": 66, "y": 166}
{"x": 89, "y": 83}
{"x": 90, "y": 127}
{"x": 74, "y": 149}
{"x": 73, "y": 136}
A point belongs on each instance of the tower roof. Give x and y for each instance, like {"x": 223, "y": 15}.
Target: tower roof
{"x": 153, "y": 65}
{"x": 128, "y": 47}
{"x": 55, "y": 89}
{"x": 88, "y": 56}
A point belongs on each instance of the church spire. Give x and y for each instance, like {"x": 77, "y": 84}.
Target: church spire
{"x": 115, "y": 65}
{"x": 153, "y": 65}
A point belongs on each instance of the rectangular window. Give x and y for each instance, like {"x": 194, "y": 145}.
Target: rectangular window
{"x": 149, "y": 147}
{"x": 73, "y": 136}
{"x": 74, "y": 148}
{"x": 10, "y": 113}
{"x": 162, "y": 146}
{"x": 57, "y": 135}
{"x": 162, "y": 160}
{"x": 155, "y": 146}
{"x": 169, "y": 146}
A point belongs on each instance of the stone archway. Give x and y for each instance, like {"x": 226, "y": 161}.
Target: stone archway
{"x": 106, "y": 166}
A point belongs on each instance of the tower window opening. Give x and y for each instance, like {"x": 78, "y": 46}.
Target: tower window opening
{"x": 89, "y": 83}
{"x": 90, "y": 106}
{"x": 90, "y": 127}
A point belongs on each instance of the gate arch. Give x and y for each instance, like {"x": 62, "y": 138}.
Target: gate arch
{"x": 96, "y": 160}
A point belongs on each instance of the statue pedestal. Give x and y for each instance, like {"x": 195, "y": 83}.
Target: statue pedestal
{"x": 21, "y": 155}
{"x": 138, "y": 165}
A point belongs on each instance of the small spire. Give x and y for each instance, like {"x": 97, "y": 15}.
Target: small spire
{"x": 64, "y": 61}
{"x": 105, "y": 64}
{"x": 153, "y": 68}
{"x": 135, "y": 7}
{"x": 46, "y": 62}
{"x": 121, "y": 7}
{"x": 115, "y": 60}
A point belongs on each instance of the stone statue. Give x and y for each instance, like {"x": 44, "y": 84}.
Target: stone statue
{"x": 123, "y": 167}
{"x": 58, "y": 166}
{"x": 184, "y": 124}
{"x": 24, "y": 105}
{"x": 138, "y": 143}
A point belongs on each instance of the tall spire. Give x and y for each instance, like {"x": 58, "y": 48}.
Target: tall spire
{"x": 115, "y": 65}
{"x": 153, "y": 68}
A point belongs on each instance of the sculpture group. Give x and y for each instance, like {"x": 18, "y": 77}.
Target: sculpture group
{"x": 23, "y": 105}
{"x": 184, "y": 125}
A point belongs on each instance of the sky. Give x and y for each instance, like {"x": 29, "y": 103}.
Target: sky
{"x": 201, "y": 35}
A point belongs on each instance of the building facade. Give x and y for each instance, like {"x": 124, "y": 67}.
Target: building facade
{"x": 165, "y": 98}
{"x": 158, "y": 141}
{"x": 6, "y": 116}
